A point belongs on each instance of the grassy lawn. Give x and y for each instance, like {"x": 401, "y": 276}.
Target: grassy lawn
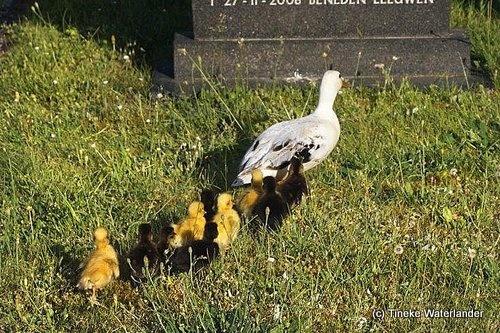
{"x": 82, "y": 144}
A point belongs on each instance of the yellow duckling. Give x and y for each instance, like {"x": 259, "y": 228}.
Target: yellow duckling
{"x": 191, "y": 228}
{"x": 101, "y": 266}
{"x": 228, "y": 221}
{"x": 252, "y": 195}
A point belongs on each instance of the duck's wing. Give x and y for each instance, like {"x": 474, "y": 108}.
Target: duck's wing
{"x": 275, "y": 147}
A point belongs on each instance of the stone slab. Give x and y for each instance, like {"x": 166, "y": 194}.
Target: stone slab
{"x": 424, "y": 60}
{"x": 167, "y": 83}
{"x": 277, "y": 58}
{"x": 304, "y": 19}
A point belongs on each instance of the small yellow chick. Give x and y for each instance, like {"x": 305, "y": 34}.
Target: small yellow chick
{"x": 191, "y": 228}
{"x": 101, "y": 265}
{"x": 228, "y": 221}
{"x": 252, "y": 195}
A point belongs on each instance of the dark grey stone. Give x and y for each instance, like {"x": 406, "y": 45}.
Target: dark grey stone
{"x": 261, "y": 44}
{"x": 222, "y": 19}
{"x": 442, "y": 60}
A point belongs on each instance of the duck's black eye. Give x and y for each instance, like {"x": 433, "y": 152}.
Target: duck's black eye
{"x": 340, "y": 76}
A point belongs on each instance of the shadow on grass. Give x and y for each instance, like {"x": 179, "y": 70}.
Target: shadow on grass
{"x": 221, "y": 165}
{"x": 144, "y": 27}
{"x": 69, "y": 266}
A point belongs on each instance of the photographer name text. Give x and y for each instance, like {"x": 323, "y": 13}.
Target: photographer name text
{"x": 427, "y": 313}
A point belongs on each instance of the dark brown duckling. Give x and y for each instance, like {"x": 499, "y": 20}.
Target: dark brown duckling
{"x": 197, "y": 255}
{"x": 143, "y": 253}
{"x": 163, "y": 245}
{"x": 271, "y": 208}
{"x": 208, "y": 198}
{"x": 294, "y": 186}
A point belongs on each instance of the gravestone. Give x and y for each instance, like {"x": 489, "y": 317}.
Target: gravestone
{"x": 262, "y": 41}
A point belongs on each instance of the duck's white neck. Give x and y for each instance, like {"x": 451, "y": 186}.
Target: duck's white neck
{"x": 326, "y": 98}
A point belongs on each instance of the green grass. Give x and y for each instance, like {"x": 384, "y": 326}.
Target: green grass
{"x": 82, "y": 144}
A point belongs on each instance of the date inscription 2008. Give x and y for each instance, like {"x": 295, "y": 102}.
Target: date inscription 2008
{"x": 231, "y": 3}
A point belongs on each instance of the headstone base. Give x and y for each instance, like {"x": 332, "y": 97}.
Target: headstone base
{"x": 424, "y": 60}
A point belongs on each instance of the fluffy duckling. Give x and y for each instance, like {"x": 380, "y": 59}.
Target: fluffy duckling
{"x": 163, "y": 245}
{"x": 252, "y": 195}
{"x": 294, "y": 186}
{"x": 208, "y": 197}
{"x": 271, "y": 208}
{"x": 101, "y": 266}
{"x": 191, "y": 228}
{"x": 228, "y": 221}
{"x": 197, "y": 254}
{"x": 145, "y": 248}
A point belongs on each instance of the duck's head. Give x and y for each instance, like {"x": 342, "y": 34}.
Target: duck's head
{"x": 332, "y": 80}
{"x": 101, "y": 237}
{"x": 331, "y": 84}
{"x": 196, "y": 209}
{"x": 269, "y": 184}
{"x": 145, "y": 232}
{"x": 208, "y": 196}
{"x": 224, "y": 202}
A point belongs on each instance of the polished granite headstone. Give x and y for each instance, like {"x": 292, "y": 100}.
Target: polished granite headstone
{"x": 265, "y": 41}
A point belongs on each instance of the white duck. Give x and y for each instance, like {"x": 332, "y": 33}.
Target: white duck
{"x": 311, "y": 138}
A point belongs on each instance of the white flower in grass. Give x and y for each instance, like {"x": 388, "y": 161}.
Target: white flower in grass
{"x": 105, "y": 82}
{"x": 398, "y": 249}
{"x": 52, "y": 135}
{"x": 453, "y": 172}
{"x": 159, "y": 95}
{"x": 93, "y": 145}
{"x": 54, "y": 82}
{"x": 271, "y": 260}
{"x": 37, "y": 48}
{"x": 429, "y": 247}
{"x": 120, "y": 107}
{"x": 277, "y": 312}
{"x": 148, "y": 120}
{"x": 472, "y": 253}
{"x": 126, "y": 57}
{"x": 379, "y": 66}
{"x": 362, "y": 322}
{"x": 395, "y": 58}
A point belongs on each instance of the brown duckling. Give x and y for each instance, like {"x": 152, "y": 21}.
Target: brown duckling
{"x": 271, "y": 208}
{"x": 294, "y": 186}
